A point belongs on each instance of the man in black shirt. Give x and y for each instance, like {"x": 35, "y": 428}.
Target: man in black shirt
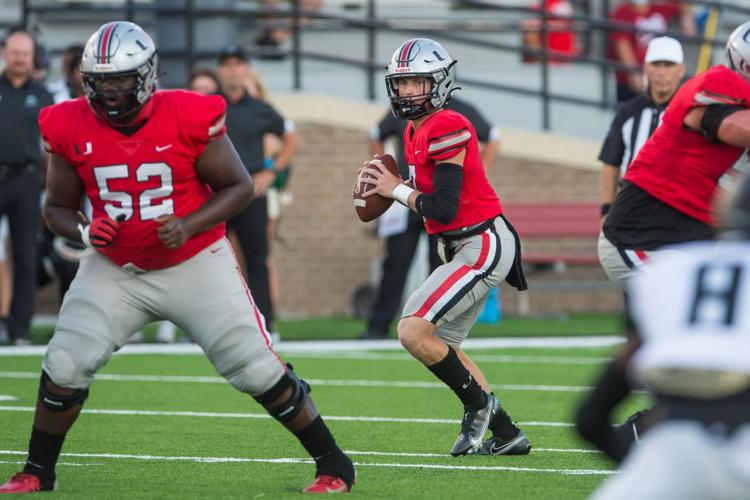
{"x": 633, "y": 124}
{"x": 21, "y": 166}
{"x": 401, "y": 247}
{"x": 248, "y": 119}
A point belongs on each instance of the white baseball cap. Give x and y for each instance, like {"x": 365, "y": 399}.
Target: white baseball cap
{"x": 664, "y": 48}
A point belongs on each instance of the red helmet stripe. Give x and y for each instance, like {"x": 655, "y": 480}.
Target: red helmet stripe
{"x": 104, "y": 40}
{"x": 403, "y": 57}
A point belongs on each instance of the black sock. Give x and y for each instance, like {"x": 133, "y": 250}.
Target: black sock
{"x": 44, "y": 449}
{"x": 455, "y": 375}
{"x": 502, "y": 426}
{"x": 329, "y": 459}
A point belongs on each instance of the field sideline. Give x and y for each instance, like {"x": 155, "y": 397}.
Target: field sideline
{"x": 161, "y": 423}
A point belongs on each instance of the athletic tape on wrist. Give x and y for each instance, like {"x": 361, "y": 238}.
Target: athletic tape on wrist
{"x": 401, "y": 194}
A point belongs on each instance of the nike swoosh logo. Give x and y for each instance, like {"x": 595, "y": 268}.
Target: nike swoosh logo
{"x": 159, "y": 149}
{"x": 214, "y": 250}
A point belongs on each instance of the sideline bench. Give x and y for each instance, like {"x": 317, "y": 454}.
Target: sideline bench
{"x": 555, "y": 235}
{"x": 551, "y": 221}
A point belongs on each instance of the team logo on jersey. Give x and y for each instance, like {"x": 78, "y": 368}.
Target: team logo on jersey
{"x": 87, "y": 149}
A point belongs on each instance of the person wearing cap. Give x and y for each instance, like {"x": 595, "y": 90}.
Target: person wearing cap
{"x": 637, "y": 119}
{"x": 248, "y": 121}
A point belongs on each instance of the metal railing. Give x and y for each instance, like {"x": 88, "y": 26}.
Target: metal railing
{"x": 371, "y": 26}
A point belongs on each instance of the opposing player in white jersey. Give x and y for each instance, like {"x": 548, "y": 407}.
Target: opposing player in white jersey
{"x": 691, "y": 348}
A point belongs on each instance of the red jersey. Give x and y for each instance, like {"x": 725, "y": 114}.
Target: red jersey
{"x": 142, "y": 176}
{"x": 441, "y": 136}
{"x": 679, "y": 166}
{"x": 655, "y": 18}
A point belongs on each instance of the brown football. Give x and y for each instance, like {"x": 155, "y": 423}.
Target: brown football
{"x": 374, "y": 206}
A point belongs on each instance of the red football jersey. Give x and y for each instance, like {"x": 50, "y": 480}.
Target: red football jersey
{"x": 441, "y": 136}
{"x": 142, "y": 176}
{"x": 679, "y": 166}
{"x": 655, "y": 18}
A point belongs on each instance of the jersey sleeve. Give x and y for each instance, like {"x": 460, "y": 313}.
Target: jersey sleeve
{"x": 448, "y": 137}
{"x": 203, "y": 117}
{"x": 53, "y": 132}
{"x": 721, "y": 88}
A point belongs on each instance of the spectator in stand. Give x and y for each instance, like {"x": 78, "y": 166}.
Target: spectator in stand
{"x": 204, "y": 81}
{"x": 277, "y": 29}
{"x": 561, "y": 42}
{"x": 629, "y": 47}
{"x": 70, "y": 85}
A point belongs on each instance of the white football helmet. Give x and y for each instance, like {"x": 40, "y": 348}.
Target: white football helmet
{"x": 738, "y": 50}
{"x": 118, "y": 67}
{"x": 421, "y": 57}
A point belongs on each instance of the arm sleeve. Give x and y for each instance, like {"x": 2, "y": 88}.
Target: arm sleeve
{"x": 722, "y": 97}
{"x": 442, "y": 204}
{"x": 613, "y": 148}
{"x": 449, "y": 137}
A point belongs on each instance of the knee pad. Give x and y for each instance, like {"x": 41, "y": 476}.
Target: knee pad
{"x": 57, "y": 403}
{"x": 289, "y": 409}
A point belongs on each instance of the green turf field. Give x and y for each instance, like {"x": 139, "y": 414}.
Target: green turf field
{"x": 181, "y": 432}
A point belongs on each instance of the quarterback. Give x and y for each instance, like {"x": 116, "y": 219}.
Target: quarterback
{"x": 162, "y": 178}
{"x": 448, "y": 187}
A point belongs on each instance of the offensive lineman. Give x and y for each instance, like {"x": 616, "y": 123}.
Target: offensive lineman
{"x": 162, "y": 178}
{"x": 668, "y": 189}
{"x": 691, "y": 348}
{"x": 448, "y": 187}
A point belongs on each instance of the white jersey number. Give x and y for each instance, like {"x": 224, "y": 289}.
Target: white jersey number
{"x": 121, "y": 202}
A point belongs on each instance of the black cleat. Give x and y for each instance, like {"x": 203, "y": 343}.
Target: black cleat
{"x": 473, "y": 426}
{"x": 519, "y": 445}
{"x": 632, "y": 429}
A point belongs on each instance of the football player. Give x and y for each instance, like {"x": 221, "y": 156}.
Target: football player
{"x": 667, "y": 190}
{"x": 448, "y": 187}
{"x": 162, "y": 178}
{"x": 691, "y": 348}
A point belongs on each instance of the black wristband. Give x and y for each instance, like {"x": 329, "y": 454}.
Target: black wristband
{"x": 605, "y": 208}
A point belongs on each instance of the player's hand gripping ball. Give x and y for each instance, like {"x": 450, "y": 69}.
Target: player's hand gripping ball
{"x": 374, "y": 206}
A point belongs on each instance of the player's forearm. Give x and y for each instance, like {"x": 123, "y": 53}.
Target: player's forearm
{"x": 489, "y": 154}
{"x": 608, "y": 183}
{"x": 376, "y": 147}
{"x": 64, "y": 221}
{"x": 223, "y": 205}
{"x": 290, "y": 145}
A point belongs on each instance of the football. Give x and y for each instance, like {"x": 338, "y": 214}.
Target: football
{"x": 371, "y": 208}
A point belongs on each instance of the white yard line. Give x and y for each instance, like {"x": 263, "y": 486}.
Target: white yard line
{"x": 404, "y": 384}
{"x": 576, "y": 472}
{"x": 340, "y": 418}
{"x": 329, "y": 346}
{"x": 7, "y": 398}
{"x": 482, "y": 358}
